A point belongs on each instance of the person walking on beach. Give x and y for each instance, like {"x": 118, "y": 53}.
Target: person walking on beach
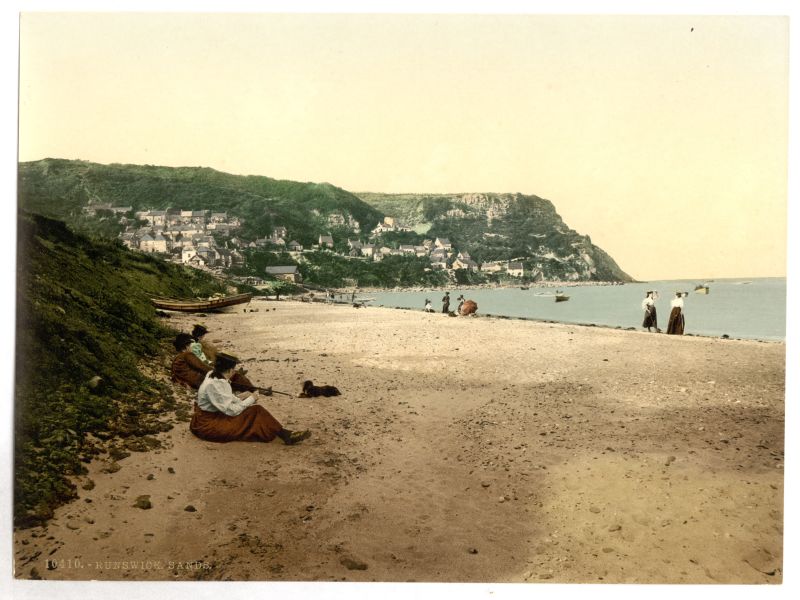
{"x": 446, "y": 303}
{"x": 676, "y": 321}
{"x": 649, "y": 307}
{"x": 221, "y": 416}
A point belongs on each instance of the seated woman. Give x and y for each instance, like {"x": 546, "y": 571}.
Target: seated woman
{"x": 190, "y": 370}
{"x": 187, "y": 368}
{"x": 202, "y": 350}
{"x": 221, "y": 416}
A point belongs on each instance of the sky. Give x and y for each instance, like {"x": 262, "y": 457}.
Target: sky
{"x": 664, "y": 138}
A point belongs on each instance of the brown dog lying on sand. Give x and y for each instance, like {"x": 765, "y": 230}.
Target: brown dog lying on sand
{"x": 312, "y": 391}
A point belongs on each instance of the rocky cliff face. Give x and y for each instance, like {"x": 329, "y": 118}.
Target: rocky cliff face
{"x": 502, "y": 227}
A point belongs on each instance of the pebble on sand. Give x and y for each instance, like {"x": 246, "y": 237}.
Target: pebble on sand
{"x": 143, "y": 502}
{"x": 111, "y": 468}
{"x": 353, "y": 565}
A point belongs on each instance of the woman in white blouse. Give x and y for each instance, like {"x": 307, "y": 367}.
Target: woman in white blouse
{"x": 650, "y": 315}
{"x": 222, "y": 416}
{"x": 676, "y": 319}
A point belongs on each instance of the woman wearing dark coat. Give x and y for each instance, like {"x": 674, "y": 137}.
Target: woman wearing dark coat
{"x": 189, "y": 370}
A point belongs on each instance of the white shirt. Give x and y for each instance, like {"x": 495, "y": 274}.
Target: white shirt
{"x": 677, "y": 302}
{"x": 647, "y": 302}
{"x": 216, "y": 395}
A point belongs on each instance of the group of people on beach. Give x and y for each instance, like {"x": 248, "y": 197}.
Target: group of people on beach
{"x": 225, "y": 409}
{"x": 677, "y": 321}
{"x": 465, "y": 307}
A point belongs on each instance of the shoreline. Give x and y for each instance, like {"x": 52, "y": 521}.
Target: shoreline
{"x": 481, "y": 450}
{"x": 321, "y": 300}
{"x": 480, "y": 286}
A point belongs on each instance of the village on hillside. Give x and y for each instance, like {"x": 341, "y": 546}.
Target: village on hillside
{"x": 211, "y": 241}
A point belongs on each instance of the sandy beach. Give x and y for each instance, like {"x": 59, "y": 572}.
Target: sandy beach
{"x": 460, "y": 450}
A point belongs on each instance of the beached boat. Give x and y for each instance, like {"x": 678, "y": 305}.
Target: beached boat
{"x": 702, "y": 289}
{"x": 196, "y": 305}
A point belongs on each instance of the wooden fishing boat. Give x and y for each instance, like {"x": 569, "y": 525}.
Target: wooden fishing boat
{"x": 702, "y": 289}
{"x": 561, "y": 297}
{"x": 196, "y": 305}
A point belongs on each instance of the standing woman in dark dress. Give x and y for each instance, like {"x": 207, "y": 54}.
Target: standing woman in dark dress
{"x": 446, "y": 303}
{"x": 650, "y": 317}
{"x": 677, "y": 321}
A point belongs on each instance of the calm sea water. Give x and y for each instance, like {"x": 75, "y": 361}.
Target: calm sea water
{"x": 740, "y": 308}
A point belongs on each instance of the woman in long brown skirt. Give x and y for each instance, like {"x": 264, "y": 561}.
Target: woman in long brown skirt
{"x": 676, "y": 319}
{"x": 221, "y": 416}
{"x": 190, "y": 370}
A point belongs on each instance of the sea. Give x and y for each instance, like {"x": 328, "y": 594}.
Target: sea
{"x": 737, "y": 308}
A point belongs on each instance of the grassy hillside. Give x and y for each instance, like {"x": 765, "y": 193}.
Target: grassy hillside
{"x": 490, "y": 226}
{"x": 60, "y": 188}
{"x": 84, "y": 324}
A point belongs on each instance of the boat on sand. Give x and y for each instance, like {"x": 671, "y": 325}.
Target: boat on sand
{"x": 197, "y": 305}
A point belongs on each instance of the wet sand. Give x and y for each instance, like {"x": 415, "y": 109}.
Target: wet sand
{"x": 461, "y": 450}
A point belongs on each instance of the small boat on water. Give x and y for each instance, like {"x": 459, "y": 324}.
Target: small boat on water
{"x": 702, "y": 289}
{"x": 561, "y": 297}
{"x": 196, "y": 305}
{"x": 522, "y": 287}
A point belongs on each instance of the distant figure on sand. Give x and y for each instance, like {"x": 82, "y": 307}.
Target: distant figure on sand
{"x": 191, "y": 371}
{"x": 428, "y": 307}
{"x": 649, "y": 307}
{"x": 468, "y": 307}
{"x": 221, "y": 416}
{"x": 446, "y": 303}
{"x": 676, "y": 319}
{"x": 460, "y": 303}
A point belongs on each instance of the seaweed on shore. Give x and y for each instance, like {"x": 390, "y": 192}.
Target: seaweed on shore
{"x": 85, "y": 326}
